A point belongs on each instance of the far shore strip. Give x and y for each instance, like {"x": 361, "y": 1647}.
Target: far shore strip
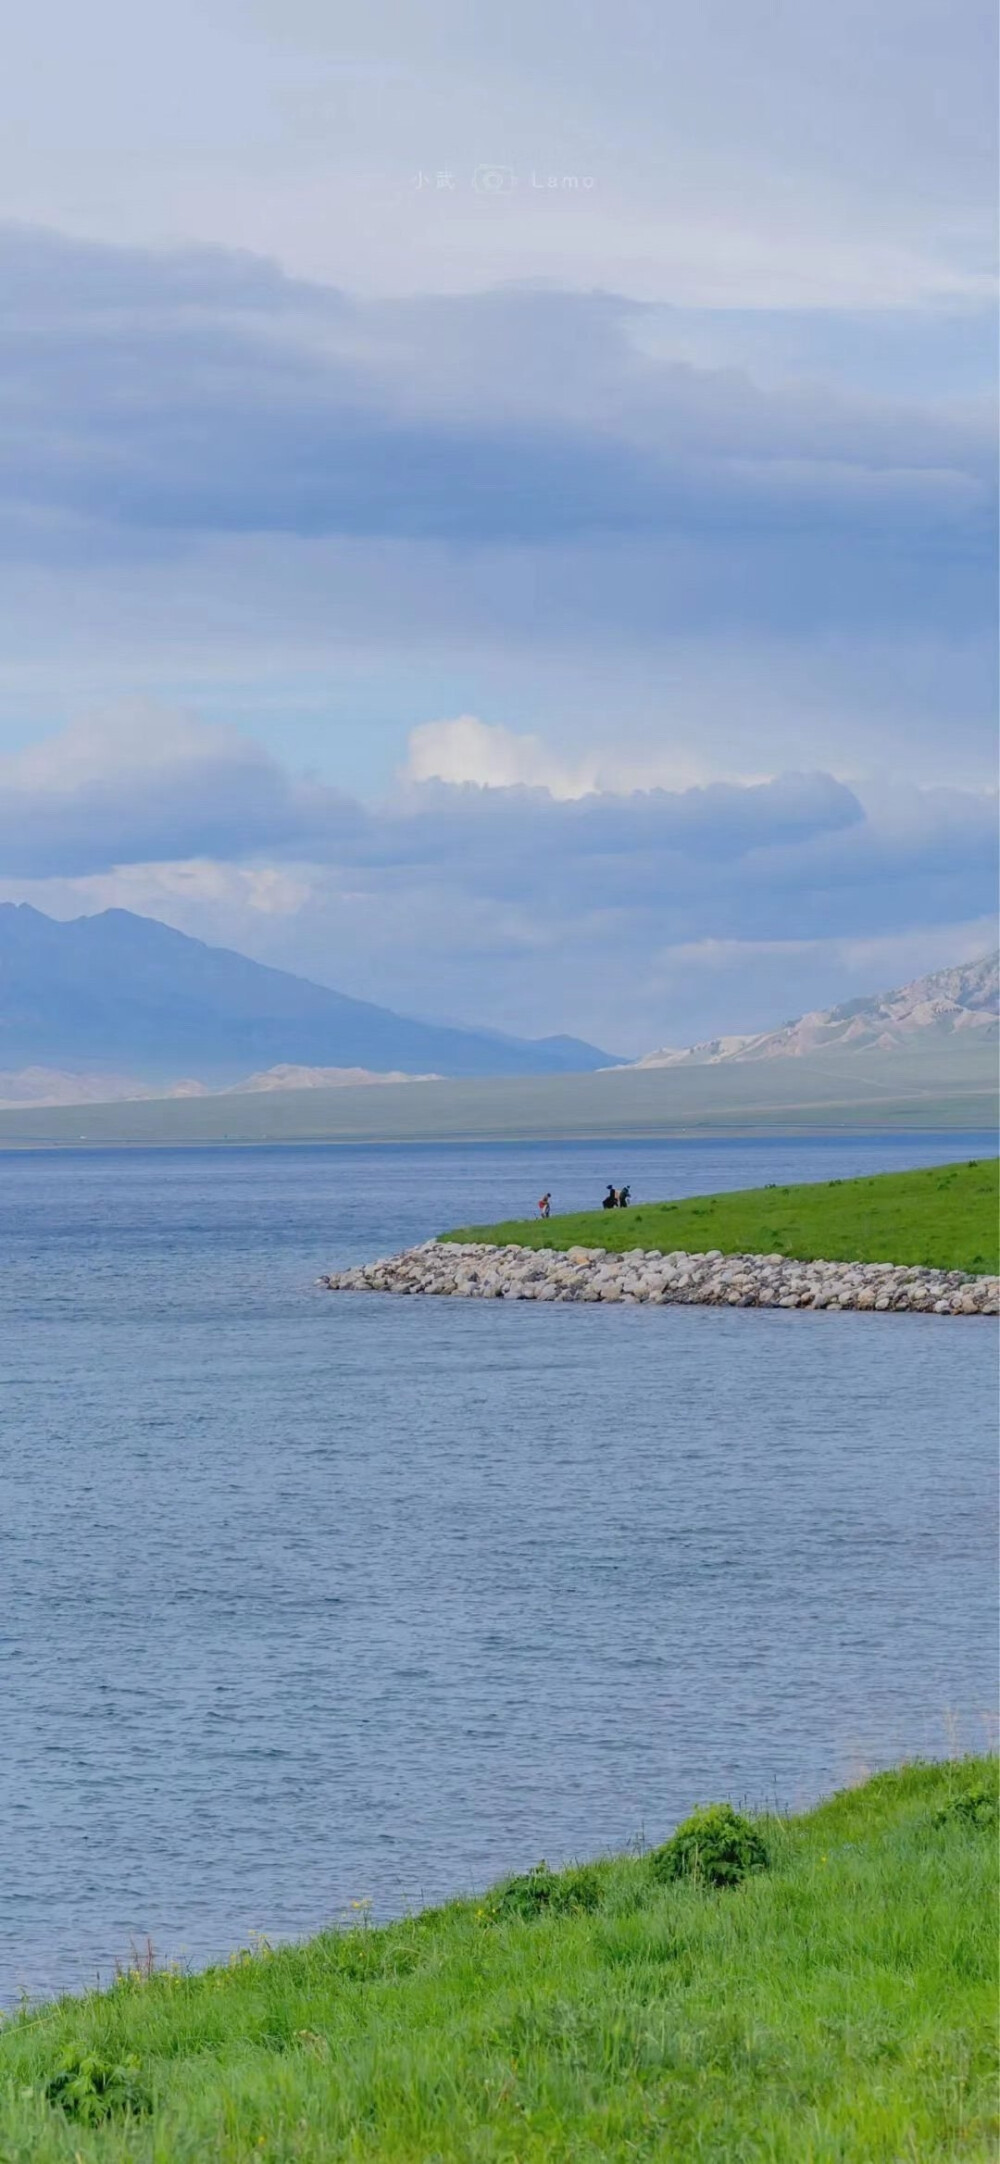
{"x": 480, "y": 1272}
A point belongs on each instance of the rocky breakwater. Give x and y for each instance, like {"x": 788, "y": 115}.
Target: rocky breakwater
{"x": 478, "y": 1272}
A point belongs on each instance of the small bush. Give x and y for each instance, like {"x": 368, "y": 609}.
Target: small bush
{"x": 90, "y": 2089}
{"x": 975, "y": 1806}
{"x": 716, "y": 1845}
{"x": 543, "y": 1892}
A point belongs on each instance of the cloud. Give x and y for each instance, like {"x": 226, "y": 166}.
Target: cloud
{"x": 222, "y": 483}
{"x": 501, "y": 899}
{"x": 144, "y": 783}
{"x": 155, "y": 399}
{"x": 488, "y": 755}
{"x": 469, "y": 750}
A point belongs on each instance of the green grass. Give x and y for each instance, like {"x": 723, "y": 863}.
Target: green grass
{"x": 945, "y": 1217}
{"x": 836, "y": 2006}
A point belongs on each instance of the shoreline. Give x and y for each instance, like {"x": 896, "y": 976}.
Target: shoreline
{"x": 785, "y": 1130}
{"x": 645, "y": 1276}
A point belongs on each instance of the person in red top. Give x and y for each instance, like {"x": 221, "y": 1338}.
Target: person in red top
{"x": 544, "y": 1206}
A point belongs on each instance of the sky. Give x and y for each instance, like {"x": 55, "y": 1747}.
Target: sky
{"x": 499, "y": 505}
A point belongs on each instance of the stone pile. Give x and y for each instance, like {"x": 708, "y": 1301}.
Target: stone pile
{"x": 591, "y": 1273}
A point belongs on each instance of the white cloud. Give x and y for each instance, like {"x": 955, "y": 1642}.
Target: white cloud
{"x": 487, "y": 755}
{"x": 467, "y": 750}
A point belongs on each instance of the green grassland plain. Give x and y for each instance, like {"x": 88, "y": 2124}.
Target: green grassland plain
{"x": 945, "y": 1217}
{"x": 836, "y": 2007}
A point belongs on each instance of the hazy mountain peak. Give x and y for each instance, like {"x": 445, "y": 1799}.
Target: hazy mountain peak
{"x": 965, "y": 997}
{"x": 129, "y": 998}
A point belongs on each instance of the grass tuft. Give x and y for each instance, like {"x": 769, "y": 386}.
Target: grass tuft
{"x": 543, "y": 1892}
{"x": 716, "y": 1846}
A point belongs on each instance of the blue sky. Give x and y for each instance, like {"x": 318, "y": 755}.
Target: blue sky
{"x": 499, "y": 507}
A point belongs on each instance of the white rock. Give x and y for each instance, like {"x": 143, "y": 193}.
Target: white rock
{"x": 468, "y": 1270}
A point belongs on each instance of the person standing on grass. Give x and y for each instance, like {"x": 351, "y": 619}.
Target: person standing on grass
{"x": 544, "y": 1206}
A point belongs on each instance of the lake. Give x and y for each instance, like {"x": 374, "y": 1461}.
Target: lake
{"x": 311, "y": 1600}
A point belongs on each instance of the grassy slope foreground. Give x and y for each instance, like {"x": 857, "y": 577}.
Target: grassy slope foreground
{"x": 945, "y": 1218}
{"x": 837, "y": 2005}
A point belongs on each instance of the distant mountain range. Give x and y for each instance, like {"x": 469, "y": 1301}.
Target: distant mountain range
{"x": 951, "y": 1000}
{"x": 118, "y": 1002}
{"x": 114, "y": 1007}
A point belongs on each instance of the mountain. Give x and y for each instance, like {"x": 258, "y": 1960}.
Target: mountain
{"x": 128, "y": 996}
{"x": 938, "y": 1006}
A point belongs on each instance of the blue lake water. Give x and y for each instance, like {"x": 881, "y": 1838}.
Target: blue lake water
{"x": 311, "y": 1599}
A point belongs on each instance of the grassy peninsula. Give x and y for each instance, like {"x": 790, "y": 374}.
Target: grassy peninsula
{"x": 944, "y": 1218}
{"x": 834, "y": 2006}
